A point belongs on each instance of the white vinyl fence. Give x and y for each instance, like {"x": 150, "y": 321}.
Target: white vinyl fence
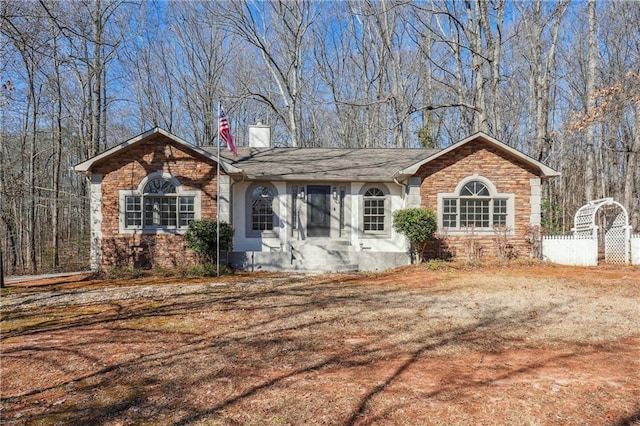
{"x": 580, "y": 251}
{"x": 570, "y": 250}
{"x": 635, "y": 249}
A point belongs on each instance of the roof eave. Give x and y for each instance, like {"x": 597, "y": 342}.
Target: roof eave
{"x": 84, "y": 168}
{"x": 546, "y": 171}
{"x": 298, "y": 178}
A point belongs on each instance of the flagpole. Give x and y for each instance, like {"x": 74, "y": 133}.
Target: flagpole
{"x": 218, "y": 197}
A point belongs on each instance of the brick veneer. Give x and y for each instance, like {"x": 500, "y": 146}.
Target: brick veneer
{"x": 507, "y": 173}
{"x": 125, "y": 171}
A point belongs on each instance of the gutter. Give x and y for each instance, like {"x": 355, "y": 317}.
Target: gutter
{"x": 404, "y": 185}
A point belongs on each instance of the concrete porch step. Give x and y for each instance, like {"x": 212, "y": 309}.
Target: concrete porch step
{"x": 323, "y": 255}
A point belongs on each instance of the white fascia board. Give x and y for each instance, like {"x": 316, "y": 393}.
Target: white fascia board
{"x": 545, "y": 170}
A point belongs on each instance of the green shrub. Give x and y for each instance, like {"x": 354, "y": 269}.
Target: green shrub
{"x": 201, "y": 238}
{"x": 418, "y": 225}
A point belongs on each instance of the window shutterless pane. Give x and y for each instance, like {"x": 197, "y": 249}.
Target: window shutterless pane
{"x": 168, "y": 212}
{"x": 160, "y": 211}
{"x": 474, "y": 213}
{"x": 373, "y": 214}
{"x": 186, "y": 210}
{"x": 133, "y": 212}
{"x": 500, "y": 212}
{"x": 262, "y": 214}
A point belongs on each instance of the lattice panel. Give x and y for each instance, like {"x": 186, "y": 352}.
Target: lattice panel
{"x": 616, "y": 241}
{"x": 583, "y": 221}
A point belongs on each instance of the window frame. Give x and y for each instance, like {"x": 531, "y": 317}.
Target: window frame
{"x": 500, "y": 209}
{"x": 133, "y": 207}
{"x": 262, "y": 233}
{"x": 385, "y": 198}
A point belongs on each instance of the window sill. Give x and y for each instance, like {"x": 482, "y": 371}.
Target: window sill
{"x": 265, "y": 234}
{"x": 475, "y": 231}
{"x": 375, "y": 235}
{"x": 154, "y": 231}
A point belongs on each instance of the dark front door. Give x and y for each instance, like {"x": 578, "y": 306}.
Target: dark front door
{"x": 318, "y": 210}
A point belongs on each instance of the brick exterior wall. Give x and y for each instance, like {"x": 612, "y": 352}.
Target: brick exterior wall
{"x": 125, "y": 171}
{"x": 507, "y": 173}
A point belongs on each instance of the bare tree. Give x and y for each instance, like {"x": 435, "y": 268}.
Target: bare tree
{"x": 541, "y": 28}
{"x": 203, "y": 57}
{"x": 279, "y": 30}
{"x": 590, "y": 166}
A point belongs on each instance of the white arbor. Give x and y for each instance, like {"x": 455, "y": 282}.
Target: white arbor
{"x": 607, "y": 221}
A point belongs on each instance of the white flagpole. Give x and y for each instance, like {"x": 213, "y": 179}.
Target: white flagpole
{"x": 218, "y": 197}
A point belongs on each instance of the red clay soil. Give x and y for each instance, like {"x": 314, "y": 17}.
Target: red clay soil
{"x": 239, "y": 358}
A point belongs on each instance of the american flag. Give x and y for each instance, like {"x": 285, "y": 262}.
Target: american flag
{"x": 225, "y": 133}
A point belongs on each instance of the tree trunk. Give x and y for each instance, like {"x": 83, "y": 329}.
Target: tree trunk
{"x": 590, "y": 165}
{"x": 96, "y": 77}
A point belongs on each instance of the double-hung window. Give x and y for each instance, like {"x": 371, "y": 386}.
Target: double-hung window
{"x": 375, "y": 215}
{"x": 373, "y": 218}
{"x": 262, "y": 211}
{"x": 475, "y": 206}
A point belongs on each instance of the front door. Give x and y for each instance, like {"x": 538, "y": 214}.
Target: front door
{"x": 318, "y": 210}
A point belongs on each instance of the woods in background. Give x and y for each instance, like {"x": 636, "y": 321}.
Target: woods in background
{"x": 559, "y": 81}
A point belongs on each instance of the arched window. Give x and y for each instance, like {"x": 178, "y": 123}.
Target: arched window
{"x": 158, "y": 206}
{"x": 374, "y": 212}
{"x": 261, "y": 202}
{"x": 374, "y": 205}
{"x": 475, "y": 206}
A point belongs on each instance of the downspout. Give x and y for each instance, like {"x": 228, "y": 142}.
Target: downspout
{"x": 404, "y": 185}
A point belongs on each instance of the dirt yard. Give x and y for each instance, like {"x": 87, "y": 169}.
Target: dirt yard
{"x": 524, "y": 345}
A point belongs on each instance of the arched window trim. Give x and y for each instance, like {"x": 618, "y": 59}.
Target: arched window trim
{"x": 459, "y": 212}
{"x": 375, "y": 210}
{"x": 490, "y": 186}
{"x": 157, "y": 176}
{"x": 150, "y": 210}
{"x": 258, "y": 223}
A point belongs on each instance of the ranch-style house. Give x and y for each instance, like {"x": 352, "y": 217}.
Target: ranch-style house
{"x": 308, "y": 209}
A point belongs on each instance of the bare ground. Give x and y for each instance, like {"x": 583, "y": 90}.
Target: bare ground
{"x": 514, "y": 345}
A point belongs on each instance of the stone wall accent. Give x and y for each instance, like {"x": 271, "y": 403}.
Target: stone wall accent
{"x": 124, "y": 171}
{"x": 510, "y": 176}
{"x": 95, "y": 200}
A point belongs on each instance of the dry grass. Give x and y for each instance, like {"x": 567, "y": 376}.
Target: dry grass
{"x": 526, "y": 345}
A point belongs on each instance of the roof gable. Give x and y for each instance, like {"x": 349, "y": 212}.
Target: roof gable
{"x": 86, "y": 166}
{"x": 545, "y": 171}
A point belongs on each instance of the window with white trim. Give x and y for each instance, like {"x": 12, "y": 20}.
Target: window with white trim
{"x": 476, "y": 205}
{"x": 261, "y": 215}
{"x": 375, "y": 214}
{"x": 373, "y": 218}
{"x": 159, "y": 205}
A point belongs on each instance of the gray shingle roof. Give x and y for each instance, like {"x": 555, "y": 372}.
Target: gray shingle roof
{"x": 330, "y": 164}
